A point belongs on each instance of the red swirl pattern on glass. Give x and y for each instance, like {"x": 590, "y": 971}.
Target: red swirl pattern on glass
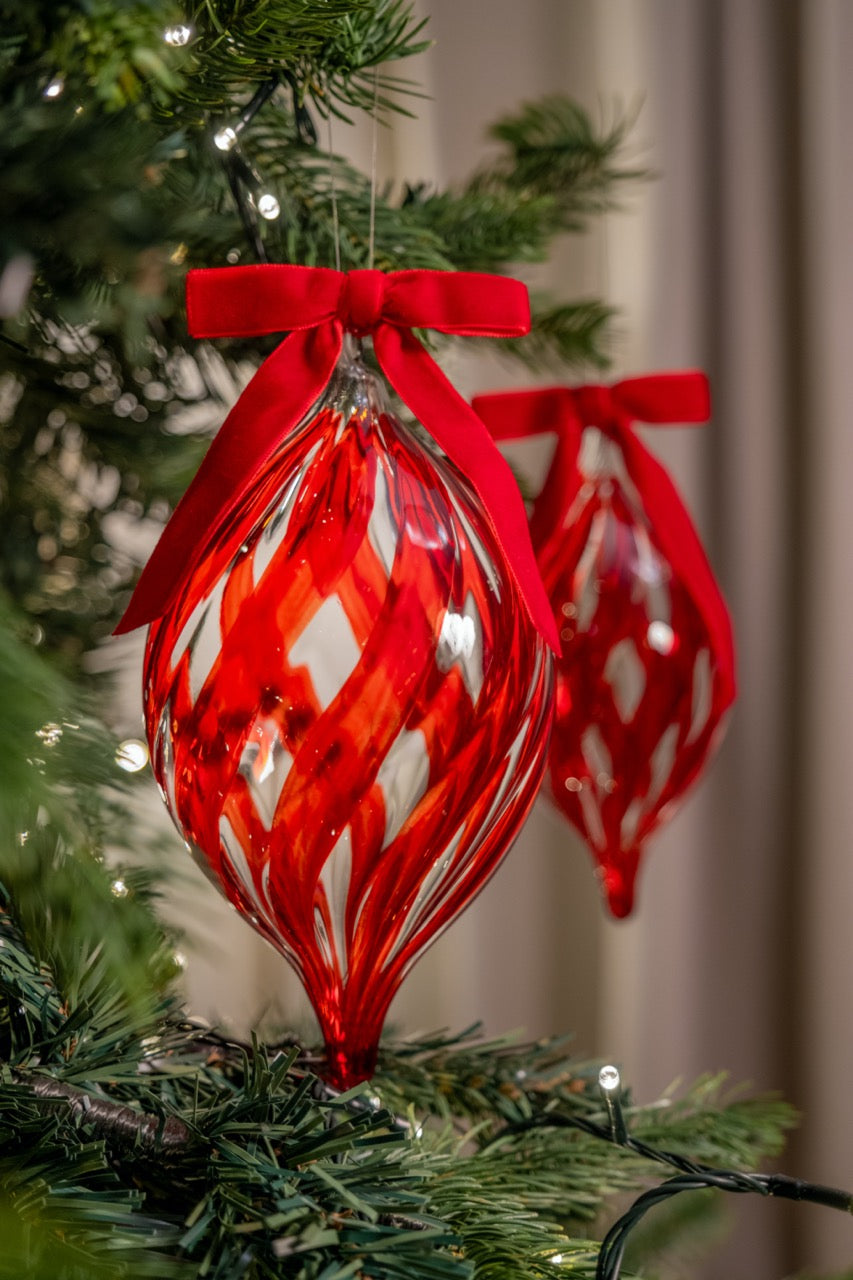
{"x": 639, "y": 698}
{"x": 348, "y": 708}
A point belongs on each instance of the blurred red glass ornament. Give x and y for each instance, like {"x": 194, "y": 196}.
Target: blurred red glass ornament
{"x": 348, "y": 706}
{"x": 647, "y": 669}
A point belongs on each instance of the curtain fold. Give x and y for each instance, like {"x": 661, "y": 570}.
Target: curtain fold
{"x": 742, "y": 955}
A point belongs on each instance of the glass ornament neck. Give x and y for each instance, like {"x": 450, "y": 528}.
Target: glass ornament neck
{"x": 352, "y": 349}
{"x": 356, "y": 392}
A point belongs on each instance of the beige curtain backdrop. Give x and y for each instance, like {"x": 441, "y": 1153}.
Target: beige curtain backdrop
{"x": 736, "y": 258}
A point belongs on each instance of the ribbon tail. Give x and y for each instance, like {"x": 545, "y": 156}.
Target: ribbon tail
{"x": 465, "y": 440}
{"x": 522, "y": 415}
{"x": 549, "y": 506}
{"x": 682, "y": 547}
{"x": 275, "y": 400}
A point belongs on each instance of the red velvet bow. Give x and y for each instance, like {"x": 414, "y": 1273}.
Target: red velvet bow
{"x": 658, "y": 398}
{"x": 316, "y": 306}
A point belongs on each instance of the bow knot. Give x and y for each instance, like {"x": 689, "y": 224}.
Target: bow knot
{"x": 596, "y": 406}
{"x": 360, "y": 307}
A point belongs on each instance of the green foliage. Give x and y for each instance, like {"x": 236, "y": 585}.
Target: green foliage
{"x": 302, "y": 179}
{"x": 57, "y": 761}
{"x": 554, "y": 148}
{"x": 330, "y": 51}
{"x": 444, "y": 1077}
{"x": 117, "y": 53}
{"x": 103, "y": 963}
{"x": 130, "y": 1137}
{"x": 483, "y": 229}
{"x": 102, "y": 206}
{"x": 112, "y": 52}
{"x": 82, "y": 458}
{"x": 132, "y": 1143}
{"x": 688, "y": 1127}
{"x": 564, "y": 334}
{"x": 79, "y": 1223}
{"x": 102, "y": 188}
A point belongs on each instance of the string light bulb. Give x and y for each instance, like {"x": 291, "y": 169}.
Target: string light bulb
{"x": 50, "y": 734}
{"x": 131, "y": 755}
{"x": 178, "y": 35}
{"x": 609, "y": 1079}
{"x": 54, "y": 88}
{"x": 610, "y": 1084}
{"x": 226, "y": 139}
{"x": 268, "y": 207}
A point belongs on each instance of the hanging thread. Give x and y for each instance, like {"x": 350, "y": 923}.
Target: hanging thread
{"x": 336, "y": 226}
{"x": 373, "y": 150}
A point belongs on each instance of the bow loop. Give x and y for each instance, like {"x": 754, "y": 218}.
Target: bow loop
{"x": 679, "y": 396}
{"x": 658, "y": 398}
{"x": 362, "y": 296}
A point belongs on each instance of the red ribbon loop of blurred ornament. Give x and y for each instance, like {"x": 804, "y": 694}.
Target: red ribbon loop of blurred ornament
{"x": 659, "y": 398}
{"x": 677, "y": 397}
{"x": 315, "y": 306}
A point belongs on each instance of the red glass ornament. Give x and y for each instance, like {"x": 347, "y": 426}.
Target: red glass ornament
{"x": 647, "y": 666}
{"x": 348, "y": 707}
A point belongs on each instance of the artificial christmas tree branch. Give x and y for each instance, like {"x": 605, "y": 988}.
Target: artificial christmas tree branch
{"x": 257, "y": 1114}
{"x": 110, "y": 1120}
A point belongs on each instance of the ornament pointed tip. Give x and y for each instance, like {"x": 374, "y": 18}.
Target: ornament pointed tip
{"x": 618, "y": 889}
{"x": 345, "y": 1068}
{"x": 620, "y": 907}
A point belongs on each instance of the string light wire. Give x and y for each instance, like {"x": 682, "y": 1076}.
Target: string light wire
{"x": 692, "y": 1176}
{"x": 243, "y": 179}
